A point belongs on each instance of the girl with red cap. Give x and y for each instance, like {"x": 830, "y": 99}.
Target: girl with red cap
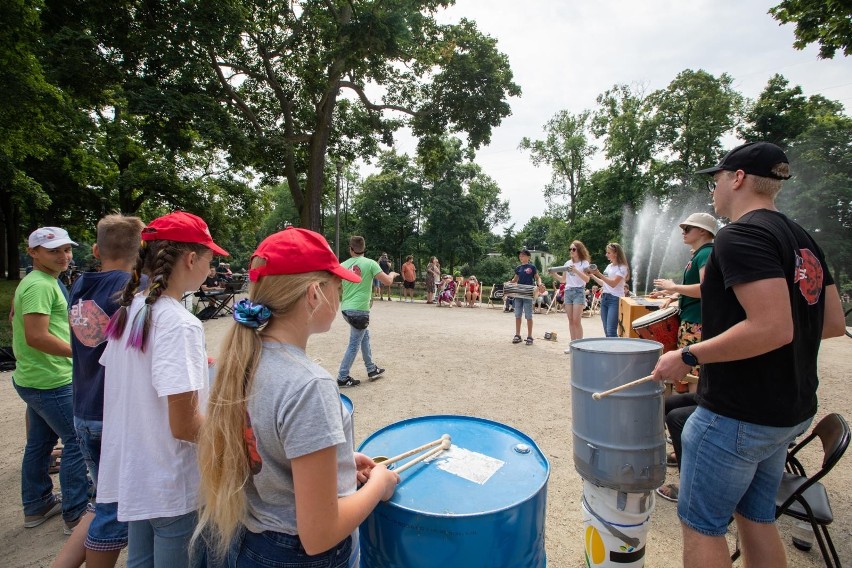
{"x": 155, "y": 386}
{"x": 279, "y": 471}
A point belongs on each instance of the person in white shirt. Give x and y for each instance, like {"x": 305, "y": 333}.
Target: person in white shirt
{"x": 155, "y": 385}
{"x": 613, "y": 279}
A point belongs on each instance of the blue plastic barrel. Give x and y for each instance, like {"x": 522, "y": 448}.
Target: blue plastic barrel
{"x": 480, "y": 504}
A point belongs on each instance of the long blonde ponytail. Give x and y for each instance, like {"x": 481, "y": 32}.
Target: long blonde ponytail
{"x": 223, "y": 456}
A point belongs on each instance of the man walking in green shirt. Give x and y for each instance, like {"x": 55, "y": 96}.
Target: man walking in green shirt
{"x": 356, "y": 311}
{"x": 41, "y": 340}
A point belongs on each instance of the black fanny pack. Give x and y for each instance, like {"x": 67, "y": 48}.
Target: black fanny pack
{"x": 358, "y": 321}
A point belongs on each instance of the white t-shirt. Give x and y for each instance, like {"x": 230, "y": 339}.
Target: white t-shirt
{"x": 143, "y": 467}
{"x": 612, "y": 271}
{"x": 295, "y": 410}
{"x": 572, "y": 280}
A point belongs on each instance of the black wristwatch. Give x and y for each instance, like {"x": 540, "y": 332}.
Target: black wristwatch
{"x": 688, "y": 357}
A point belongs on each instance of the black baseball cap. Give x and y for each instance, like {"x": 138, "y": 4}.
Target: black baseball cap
{"x": 755, "y": 158}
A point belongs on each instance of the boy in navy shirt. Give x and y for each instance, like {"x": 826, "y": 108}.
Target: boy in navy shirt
{"x": 92, "y": 304}
{"x": 525, "y": 273}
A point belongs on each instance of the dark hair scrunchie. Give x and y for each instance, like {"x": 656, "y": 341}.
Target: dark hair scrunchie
{"x": 251, "y": 315}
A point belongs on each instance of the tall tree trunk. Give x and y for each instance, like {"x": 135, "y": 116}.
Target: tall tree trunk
{"x": 12, "y": 233}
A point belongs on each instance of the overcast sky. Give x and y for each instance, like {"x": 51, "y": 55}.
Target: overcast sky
{"x": 565, "y": 53}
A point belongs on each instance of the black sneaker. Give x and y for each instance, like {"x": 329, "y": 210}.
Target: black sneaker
{"x": 349, "y": 382}
{"x": 375, "y": 374}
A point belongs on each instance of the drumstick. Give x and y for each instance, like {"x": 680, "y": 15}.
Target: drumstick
{"x": 404, "y": 455}
{"x": 445, "y": 445}
{"x": 637, "y": 382}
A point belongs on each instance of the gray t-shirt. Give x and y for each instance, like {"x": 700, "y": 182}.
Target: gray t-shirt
{"x": 295, "y": 409}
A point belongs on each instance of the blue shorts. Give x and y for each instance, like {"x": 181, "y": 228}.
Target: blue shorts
{"x": 106, "y": 532}
{"x": 576, "y": 296}
{"x": 525, "y": 304}
{"x": 729, "y": 465}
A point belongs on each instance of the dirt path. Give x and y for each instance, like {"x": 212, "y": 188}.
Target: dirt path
{"x": 461, "y": 361}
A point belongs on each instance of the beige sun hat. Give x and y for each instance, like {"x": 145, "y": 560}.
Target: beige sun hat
{"x": 702, "y": 221}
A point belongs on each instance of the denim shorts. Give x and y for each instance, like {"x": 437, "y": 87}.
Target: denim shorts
{"x": 274, "y": 549}
{"x": 576, "y": 296}
{"x": 729, "y": 465}
{"x": 524, "y": 305}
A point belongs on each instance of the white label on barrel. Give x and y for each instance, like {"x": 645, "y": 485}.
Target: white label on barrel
{"x": 468, "y": 465}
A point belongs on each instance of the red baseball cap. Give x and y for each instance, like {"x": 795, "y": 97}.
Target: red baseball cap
{"x": 181, "y": 227}
{"x": 297, "y": 251}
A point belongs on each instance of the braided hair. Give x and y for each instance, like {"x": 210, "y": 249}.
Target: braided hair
{"x": 156, "y": 260}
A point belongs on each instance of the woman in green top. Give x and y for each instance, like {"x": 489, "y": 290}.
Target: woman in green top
{"x": 699, "y": 229}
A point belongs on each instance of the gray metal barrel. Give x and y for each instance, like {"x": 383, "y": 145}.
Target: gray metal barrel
{"x": 619, "y": 441}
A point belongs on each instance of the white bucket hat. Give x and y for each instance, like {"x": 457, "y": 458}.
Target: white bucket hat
{"x": 702, "y": 221}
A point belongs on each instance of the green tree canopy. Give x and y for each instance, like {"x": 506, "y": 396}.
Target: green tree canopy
{"x": 566, "y": 149}
{"x": 826, "y": 22}
{"x": 310, "y": 78}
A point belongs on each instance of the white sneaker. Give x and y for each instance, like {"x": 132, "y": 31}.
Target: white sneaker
{"x": 567, "y": 350}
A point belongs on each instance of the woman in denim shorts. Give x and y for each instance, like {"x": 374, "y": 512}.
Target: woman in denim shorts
{"x": 575, "y": 278}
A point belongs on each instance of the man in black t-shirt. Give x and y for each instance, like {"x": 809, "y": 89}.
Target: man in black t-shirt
{"x": 212, "y": 283}
{"x": 767, "y": 300}
{"x": 386, "y": 265}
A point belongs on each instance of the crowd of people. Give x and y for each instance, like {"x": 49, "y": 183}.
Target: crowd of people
{"x": 259, "y": 467}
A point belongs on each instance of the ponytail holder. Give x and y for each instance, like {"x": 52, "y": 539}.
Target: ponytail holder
{"x": 251, "y": 315}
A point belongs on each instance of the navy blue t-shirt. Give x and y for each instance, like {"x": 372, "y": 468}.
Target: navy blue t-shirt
{"x": 92, "y": 304}
{"x": 526, "y": 274}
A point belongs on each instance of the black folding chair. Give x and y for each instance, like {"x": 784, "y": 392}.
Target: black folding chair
{"x": 496, "y": 296}
{"x": 804, "y": 498}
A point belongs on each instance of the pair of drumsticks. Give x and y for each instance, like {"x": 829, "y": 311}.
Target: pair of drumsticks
{"x": 599, "y": 395}
{"x": 442, "y": 443}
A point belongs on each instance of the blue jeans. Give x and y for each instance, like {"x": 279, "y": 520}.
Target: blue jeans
{"x": 358, "y": 339}
{"x": 274, "y": 549}
{"x": 106, "y": 532}
{"x": 50, "y": 412}
{"x": 164, "y": 543}
{"x": 609, "y": 314}
{"x": 729, "y": 465}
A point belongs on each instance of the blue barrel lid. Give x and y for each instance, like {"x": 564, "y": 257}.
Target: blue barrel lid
{"x": 490, "y": 466}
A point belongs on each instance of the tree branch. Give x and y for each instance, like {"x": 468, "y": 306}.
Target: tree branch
{"x": 371, "y": 106}
{"x": 234, "y": 96}
{"x": 240, "y": 69}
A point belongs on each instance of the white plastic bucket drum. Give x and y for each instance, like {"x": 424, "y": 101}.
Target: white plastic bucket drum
{"x": 619, "y": 440}
{"x": 480, "y": 504}
{"x": 615, "y": 526}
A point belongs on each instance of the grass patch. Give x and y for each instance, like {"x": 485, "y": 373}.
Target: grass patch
{"x": 7, "y": 294}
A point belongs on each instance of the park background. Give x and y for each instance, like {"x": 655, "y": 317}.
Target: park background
{"x": 461, "y": 130}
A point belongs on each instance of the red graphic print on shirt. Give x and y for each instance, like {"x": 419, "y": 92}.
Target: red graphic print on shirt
{"x": 255, "y": 461}
{"x": 88, "y": 322}
{"x": 809, "y": 275}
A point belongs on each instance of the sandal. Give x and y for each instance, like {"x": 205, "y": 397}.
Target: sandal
{"x": 671, "y": 460}
{"x": 669, "y": 492}
{"x": 516, "y": 339}
{"x": 529, "y": 341}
